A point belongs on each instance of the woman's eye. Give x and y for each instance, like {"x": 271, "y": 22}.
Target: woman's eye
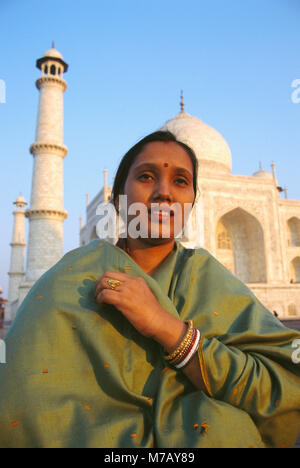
{"x": 180, "y": 180}
{"x": 145, "y": 177}
{"x": 149, "y": 177}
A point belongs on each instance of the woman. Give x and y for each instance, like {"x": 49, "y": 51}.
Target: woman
{"x": 146, "y": 343}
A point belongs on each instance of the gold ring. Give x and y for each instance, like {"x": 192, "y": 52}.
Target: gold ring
{"x": 113, "y": 283}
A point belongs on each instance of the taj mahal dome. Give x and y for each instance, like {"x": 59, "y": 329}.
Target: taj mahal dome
{"x": 246, "y": 222}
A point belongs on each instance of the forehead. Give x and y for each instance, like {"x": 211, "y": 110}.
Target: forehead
{"x": 160, "y": 152}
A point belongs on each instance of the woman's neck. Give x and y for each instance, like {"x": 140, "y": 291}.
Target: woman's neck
{"x": 148, "y": 255}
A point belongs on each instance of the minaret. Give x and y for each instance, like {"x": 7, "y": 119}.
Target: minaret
{"x": 16, "y": 270}
{"x": 274, "y": 173}
{"x": 46, "y": 213}
{"x": 105, "y": 187}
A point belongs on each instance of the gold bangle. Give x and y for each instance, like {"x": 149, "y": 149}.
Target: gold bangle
{"x": 180, "y": 352}
{"x": 182, "y": 346}
{"x": 178, "y": 357}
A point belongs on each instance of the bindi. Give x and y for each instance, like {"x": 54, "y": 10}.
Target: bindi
{"x": 166, "y": 165}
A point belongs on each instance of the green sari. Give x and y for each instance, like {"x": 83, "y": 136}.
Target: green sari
{"x": 79, "y": 375}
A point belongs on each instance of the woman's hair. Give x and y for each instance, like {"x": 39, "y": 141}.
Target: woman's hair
{"x": 130, "y": 156}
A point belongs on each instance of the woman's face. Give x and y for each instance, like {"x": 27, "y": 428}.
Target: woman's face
{"x": 162, "y": 174}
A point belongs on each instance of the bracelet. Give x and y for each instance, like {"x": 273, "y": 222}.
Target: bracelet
{"x": 183, "y": 357}
{"x": 192, "y": 350}
{"x": 182, "y": 346}
{"x": 186, "y": 350}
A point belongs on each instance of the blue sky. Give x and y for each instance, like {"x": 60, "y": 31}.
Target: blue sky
{"x": 129, "y": 59}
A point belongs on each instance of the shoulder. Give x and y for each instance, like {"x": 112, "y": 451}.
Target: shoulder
{"x": 86, "y": 253}
{"x": 77, "y": 269}
{"x": 80, "y": 262}
{"x": 84, "y": 250}
{"x": 204, "y": 264}
{"x": 202, "y": 256}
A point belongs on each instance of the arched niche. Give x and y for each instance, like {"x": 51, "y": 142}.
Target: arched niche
{"x": 295, "y": 270}
{"x": 293, "y": 227}
{"x": 224, "y": 247}
{"x": 246, "y": 236}
{"x": 292, "y": 310}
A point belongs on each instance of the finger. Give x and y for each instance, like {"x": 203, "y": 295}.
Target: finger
{"x": 107, "y": 296}
{"x": 123, "y": 277}
{"x": 117, "y": 275}
{"x": 103, "y": 284}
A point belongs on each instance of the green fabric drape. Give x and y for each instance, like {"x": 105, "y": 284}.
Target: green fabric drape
{"x": 79, "y": 375}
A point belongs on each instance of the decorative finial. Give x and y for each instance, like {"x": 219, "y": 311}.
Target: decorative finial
{"x": 260, "y": 166}
{"x": 273, "y": 170}
{"x": 181, "y": 102}
{"x": 105, "y": 187}
{"x": 53, "y": 45}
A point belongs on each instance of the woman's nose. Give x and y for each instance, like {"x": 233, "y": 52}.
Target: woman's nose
{"x": 163, "y": 191}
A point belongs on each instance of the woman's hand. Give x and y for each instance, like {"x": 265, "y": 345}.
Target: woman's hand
{"x": 137, "y": 303}
{"x": 134, "y": 299}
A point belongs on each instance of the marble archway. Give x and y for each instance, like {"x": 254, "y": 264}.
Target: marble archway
{"x": 243, "y": 237}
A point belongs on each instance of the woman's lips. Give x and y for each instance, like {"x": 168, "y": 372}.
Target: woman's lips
{"x": 160, "y": 213}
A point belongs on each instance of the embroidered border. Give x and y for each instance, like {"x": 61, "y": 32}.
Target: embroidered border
{"x": 203, "y": 368}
